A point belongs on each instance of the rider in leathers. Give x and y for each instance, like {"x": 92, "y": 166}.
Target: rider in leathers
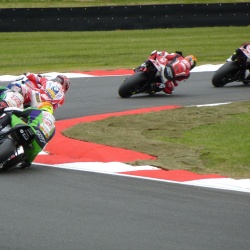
{"x": 44, "y": 89}
{"x": 176, "y": 68}
{"x": 42, "y": 122}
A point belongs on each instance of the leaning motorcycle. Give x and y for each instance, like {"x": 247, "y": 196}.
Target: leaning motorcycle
{"x": 231, "y": 71}
{"x": 141, "y": 81}
{"x": 14, "y": 134}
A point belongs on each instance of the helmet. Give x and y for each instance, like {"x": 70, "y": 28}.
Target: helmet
{"x": 64, "y": 81}
{"x": 46, "y": 106}
{"x": 192, "y": 60}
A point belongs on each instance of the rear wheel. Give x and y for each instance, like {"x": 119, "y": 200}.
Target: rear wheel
{"x": 13, "y": 162}
{"x": 228, "y": 72}
{"x": 133, "y": 85}
{"x": 7, "y": 148}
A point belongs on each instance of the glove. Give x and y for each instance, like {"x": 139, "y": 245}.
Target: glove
{"x": 25, "y": 164}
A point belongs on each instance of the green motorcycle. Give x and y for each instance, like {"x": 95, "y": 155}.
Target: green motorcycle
{"x": 14, "y": 134}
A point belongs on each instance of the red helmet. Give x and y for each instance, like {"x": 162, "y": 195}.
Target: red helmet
{"x": 64, "y": 81}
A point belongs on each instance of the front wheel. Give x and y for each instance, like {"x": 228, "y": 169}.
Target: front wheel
{"x": 133, "y": 85}
{"x": 228, "y": 72}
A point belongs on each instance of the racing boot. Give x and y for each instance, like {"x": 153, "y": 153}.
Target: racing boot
{"x": 169, "y": 88}
{"x": 156, "y": 87}
{"x": 247, "y": 79}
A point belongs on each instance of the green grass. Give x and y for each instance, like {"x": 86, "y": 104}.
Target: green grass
{"x": 69, "y": 51}
{"x": 198, "y": 139}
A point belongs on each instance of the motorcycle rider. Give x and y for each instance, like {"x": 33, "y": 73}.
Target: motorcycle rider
{"x": 42, "y": 122}
{"x": 45, "y": 90}
{"x": 243, "y": 52}
{"x": 177, "y": 68}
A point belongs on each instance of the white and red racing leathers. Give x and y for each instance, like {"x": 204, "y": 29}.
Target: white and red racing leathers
{"x": 176, "y": 69}
{"x": 44, "y": 89}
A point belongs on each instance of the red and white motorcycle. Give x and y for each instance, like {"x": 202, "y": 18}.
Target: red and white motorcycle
{"x": 144, "y": 77}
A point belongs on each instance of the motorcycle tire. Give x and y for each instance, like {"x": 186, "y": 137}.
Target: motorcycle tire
{"x": 13, "y": 162}
{"x": 132, "y": 84}
{"x": 225, "y": 74}
{"x": 7, "y": 148}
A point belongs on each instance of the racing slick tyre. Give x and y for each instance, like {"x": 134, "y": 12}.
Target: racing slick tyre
{"x": 133, "y": 85}
{"x": 7, "y": 148}
{"x": 225, "y": 74}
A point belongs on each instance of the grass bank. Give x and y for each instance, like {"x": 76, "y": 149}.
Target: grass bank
{"x": 68, "y": 51}
{"x": 202, "y": 140}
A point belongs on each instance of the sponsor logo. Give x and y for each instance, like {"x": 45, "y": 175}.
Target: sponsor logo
{"x": 50, "y": 93}
{"x": 55, "y": 89}
{"x": 13, "y": 100}
{"x": 48, "y": 122}
{"x": 169, "y": 71}
{"x": 186, "y": 64}
{"x": 37, "y": 97}
{"x": 40, "y": 136}
{"x": 26, "y": 134}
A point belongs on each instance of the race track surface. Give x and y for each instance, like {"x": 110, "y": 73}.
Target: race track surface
{"x": 63, "y": 157}
{"x": 52, "y": 208}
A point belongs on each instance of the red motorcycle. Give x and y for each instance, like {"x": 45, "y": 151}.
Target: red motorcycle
{"x": 143, "y": 78}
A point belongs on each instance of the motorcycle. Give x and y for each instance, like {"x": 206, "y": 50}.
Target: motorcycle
{"x": 232, "y": 71}
{"x": 14, "y": 134}
{"x": 143, "y": 78}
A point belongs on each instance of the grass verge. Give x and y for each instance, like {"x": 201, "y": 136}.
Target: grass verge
{"x": 41, "y": 52}
{"x": 198, "y": 139}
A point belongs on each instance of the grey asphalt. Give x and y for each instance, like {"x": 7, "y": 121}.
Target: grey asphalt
{"x": 97, "y": 95}
{"x": 47, "y": 208}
